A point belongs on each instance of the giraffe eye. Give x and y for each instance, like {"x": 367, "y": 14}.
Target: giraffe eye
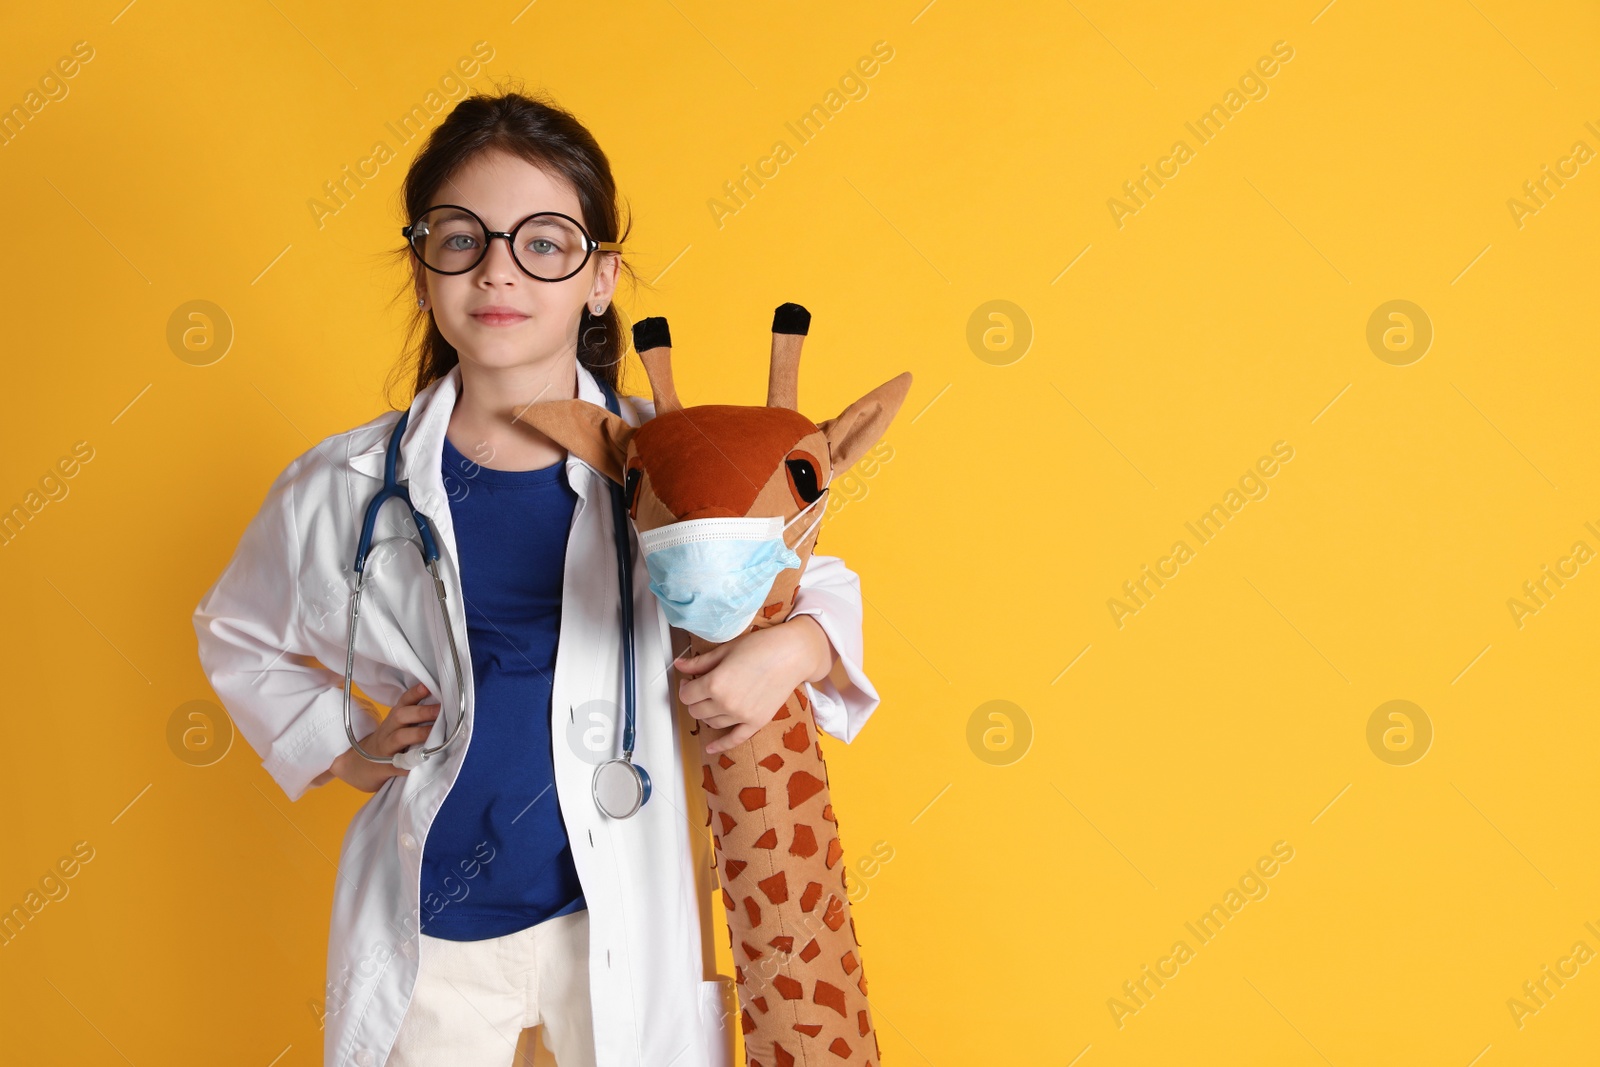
{"x": 630, "y": 490}
{"x": 803, "y": 476}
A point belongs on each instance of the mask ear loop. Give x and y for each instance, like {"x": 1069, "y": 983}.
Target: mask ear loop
{"x": 814, "y": 523}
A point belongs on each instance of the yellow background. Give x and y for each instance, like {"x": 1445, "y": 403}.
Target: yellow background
{"x": 1024, "y": 488}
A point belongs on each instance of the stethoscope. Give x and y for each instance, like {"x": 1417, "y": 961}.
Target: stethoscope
{"x": 620, "y": 787}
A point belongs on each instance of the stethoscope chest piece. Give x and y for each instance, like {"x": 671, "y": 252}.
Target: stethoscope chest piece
{"x": 620, "y": 787}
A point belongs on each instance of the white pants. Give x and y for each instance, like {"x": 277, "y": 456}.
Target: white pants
{"x": 477, "y": 1003}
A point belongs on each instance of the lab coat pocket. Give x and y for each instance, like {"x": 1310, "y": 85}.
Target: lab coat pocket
{"x": 718, "y": 1009}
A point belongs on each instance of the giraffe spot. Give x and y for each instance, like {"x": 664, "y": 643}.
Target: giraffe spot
{"x": 772, "y": 762}
{"x": 754, "y": 911}
{"x": 724, "y": 761}
{"x": 708, "y": 783}
{"x": 840, "y": 1047}
{"x": 794, "y": 738}
{"x": 848, "y": 962}
{"x": 760, "y": 1002}
{"x": 805, "y": 842}
{"x": 769, "y": 610}
{"x": 733, "y": 868}
{"x": 727, "y": 899}
{"x": 835, "y": 850}
{"x": 766, "y": 840}
{"x": 833, "y": 914}
{"x": 727, "y": 822}
{"x": 862, "y": 1024}
{"x": 809, "y": 898}
{"x": 708, "y": 816}
{"x": 784, "y": 1058}
{"x": 738, "y": 974}
{"x": 783, "y": 943}
{"x": 746, "y": 1023}
{"x": 787, "y": 987}
{"x": 751, "y": 951}
{"x": 803, "y": 785}
{"x": 783, "y": 712}
{"x": 862, "y": 984}
{"x": 753, "y": 797}
{"x": 827, "y": 813}
{"x": 776, "y": 888}
{"x": 829, "y": 996}
{"x": 805, "y": 701}
{"x": 809, "y": 1029}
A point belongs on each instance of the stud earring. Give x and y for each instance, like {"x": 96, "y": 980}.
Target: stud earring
{"x": 598, "y": 308}
{"x": 421, "y": 300}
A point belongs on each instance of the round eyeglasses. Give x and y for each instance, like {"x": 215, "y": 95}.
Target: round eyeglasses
{"x": 548, "y": 246}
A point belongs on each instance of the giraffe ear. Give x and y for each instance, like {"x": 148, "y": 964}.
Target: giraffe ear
{"x": 860, "y": 425}
{"x": 587, "y": 430}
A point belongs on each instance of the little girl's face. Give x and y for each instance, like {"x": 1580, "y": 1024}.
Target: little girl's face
{"x": 503, "y": 190}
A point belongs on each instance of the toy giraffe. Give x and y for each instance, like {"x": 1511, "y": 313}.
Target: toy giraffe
{"x": 798, "y": 970}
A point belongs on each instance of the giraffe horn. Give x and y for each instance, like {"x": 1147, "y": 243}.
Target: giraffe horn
{"x": 789, "y": 325}
{"x": 653, "y": 342}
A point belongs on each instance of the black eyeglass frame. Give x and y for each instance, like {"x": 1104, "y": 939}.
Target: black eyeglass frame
{"x": 590, "y": 245}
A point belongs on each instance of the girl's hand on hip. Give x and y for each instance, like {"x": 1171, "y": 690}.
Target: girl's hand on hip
{"x": 744, "y": 682}
{"x": 408, "y": 723}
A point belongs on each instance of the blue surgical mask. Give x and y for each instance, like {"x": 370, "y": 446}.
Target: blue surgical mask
{"x": 711, "y": 576}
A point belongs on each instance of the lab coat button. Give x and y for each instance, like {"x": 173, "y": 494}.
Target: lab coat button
{"x": 364, "y": 1057}
{"x": 408, "y": 842}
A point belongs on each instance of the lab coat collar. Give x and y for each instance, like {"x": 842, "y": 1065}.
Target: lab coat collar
{"x": 422, "y": 445}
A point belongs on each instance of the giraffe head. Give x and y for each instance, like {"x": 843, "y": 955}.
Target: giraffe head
{"x": 725, "y": 460}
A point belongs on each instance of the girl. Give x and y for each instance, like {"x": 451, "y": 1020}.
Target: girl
{"x": 482, "y": 894}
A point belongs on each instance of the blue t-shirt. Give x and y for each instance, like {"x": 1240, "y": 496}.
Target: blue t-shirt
{"x": 497, "y": 859}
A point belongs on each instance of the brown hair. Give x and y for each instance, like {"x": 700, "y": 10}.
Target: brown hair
{"x": 551, "y": 138}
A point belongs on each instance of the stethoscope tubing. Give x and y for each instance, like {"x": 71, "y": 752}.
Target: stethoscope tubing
{"x": 429, "y": 548}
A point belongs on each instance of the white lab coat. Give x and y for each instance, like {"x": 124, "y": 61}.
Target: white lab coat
{"x": 272, "y": 634}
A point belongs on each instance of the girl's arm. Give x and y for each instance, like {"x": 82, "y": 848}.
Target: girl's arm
{"x": 254, "y": 651}
{"x": 830, "y": 594}
{"x": 743, "y": 683}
